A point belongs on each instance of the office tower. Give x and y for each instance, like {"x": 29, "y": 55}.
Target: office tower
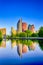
{"x": 32, "y": 28}
{"x": 13, "y": 31}
{"x": 24, "y": 27}
{"x": 3, "y": 30}
{"x": 19, "y": 26}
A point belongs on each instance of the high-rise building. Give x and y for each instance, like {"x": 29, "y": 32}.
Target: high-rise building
{"x": 3, "y": 30}
{"x": 19, "y": 26}
{"x": 32, "y": 28}
{"x": 24, "y": 27}
{"x": 13, "y": 31}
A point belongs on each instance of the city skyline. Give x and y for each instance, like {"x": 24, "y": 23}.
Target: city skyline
{"x": 21, "y": 32}
{"x": 23, "y": 24}
{"x": 31, "y": 11}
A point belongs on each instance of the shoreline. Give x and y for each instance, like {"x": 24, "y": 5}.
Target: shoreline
{"x": 26, "y": 38}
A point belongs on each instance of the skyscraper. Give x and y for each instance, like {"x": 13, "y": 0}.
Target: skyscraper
{"x": 24, "y": 27}
{"x": 19, "y": 26}
{"x": 32, "y": 28}
{"x": 13, "y": 31}
{"x": 3, "y": 30}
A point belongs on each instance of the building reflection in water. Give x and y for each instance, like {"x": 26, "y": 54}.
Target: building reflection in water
{"x": 19, "y": 49}
{"x": 32, "y": 46}
{"x": 23, "y": 48}
{"x": 13, "y": 43}
{"x": 3, "y": 43}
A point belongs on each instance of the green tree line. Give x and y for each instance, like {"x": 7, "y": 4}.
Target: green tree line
{"x": 28, "y": 33}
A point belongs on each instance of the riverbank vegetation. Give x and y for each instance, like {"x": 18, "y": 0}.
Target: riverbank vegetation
{"x": 28, "y": 33}
{"x": 1, "y": 36}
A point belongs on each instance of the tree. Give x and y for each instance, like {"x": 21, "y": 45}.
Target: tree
{"x": 22, "y": 34}
{"x": 40, "y": 32}
{"x": 17, "y": 34}
{"x": 8, "y": 37}
{"x": 0, "y": 35}
{"x": 29, "y": 33}
{"x": 13, "y": 35}
{"x": 34, "y": 35}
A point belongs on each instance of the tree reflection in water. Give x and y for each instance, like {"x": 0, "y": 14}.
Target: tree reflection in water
{"x": 23, "y": 46}
{"x": 41, "y": 44}
{"x": 2, "y": 43}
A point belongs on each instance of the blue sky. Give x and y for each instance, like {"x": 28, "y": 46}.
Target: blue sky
{"x": 11, "y": 11}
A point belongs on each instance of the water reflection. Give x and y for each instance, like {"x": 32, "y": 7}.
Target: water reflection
{"x": 13, "y": 43}
{"x": 3, "y": 43}
{"x": 23, "y": 46}
{"x": 32, "y": 46}
{"x": 41, "y": 44}
{"x": 21, "y": 51}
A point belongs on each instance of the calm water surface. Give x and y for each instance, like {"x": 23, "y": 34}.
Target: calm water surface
{"x": 24, "y": 52}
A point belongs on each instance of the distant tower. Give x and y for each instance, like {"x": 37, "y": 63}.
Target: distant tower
{"x": 3, "y": 31}
{"x": 24, "y": 27}
{"x": 13, "y": 31}
{"x": 19, "y": 26}
{"x": 32, "y": 28}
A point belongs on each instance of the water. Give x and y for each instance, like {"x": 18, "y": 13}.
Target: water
{"x": 21, "y": 52}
